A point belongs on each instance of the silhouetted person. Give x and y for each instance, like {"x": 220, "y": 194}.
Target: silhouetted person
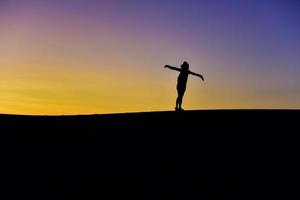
{"x": 181, "y": 82}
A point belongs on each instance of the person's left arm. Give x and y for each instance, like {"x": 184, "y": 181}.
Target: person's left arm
{"x": 195, "y": 74}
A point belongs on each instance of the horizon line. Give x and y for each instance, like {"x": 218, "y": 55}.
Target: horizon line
{"x": 155, "y": 111}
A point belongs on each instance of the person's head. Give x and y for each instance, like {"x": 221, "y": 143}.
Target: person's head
{"x": 185, "y": 65}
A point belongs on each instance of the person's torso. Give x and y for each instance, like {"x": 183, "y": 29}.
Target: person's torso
{"x": 183, "y": 76}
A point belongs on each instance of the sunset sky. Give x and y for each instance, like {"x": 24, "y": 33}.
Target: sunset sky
{"x": 107, "y": 56}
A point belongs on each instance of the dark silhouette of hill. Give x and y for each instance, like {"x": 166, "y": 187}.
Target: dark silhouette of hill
{"x": 216, "y": 154}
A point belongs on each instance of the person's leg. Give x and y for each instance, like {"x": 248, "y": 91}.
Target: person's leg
{"x": 180, "y": 100}
{"x": 177, "y": 101}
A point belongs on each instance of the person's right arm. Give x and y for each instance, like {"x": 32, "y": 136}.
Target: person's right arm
{"x": 173, "y": 68}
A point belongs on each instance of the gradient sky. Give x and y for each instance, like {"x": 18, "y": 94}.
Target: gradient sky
{"x": 106, "y": 56}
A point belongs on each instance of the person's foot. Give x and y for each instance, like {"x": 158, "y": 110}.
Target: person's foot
{"x": 180, "y": 109}
{"x": 176, "y": 109}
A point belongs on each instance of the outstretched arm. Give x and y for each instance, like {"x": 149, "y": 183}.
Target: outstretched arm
{"x": 195, "y": 74}
{"x": 173, "y": 68}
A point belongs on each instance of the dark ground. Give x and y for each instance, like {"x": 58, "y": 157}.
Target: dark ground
{"x": 222, "y": 154}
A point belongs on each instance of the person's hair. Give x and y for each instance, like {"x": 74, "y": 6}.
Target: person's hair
{"x": 185, "y": 65}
